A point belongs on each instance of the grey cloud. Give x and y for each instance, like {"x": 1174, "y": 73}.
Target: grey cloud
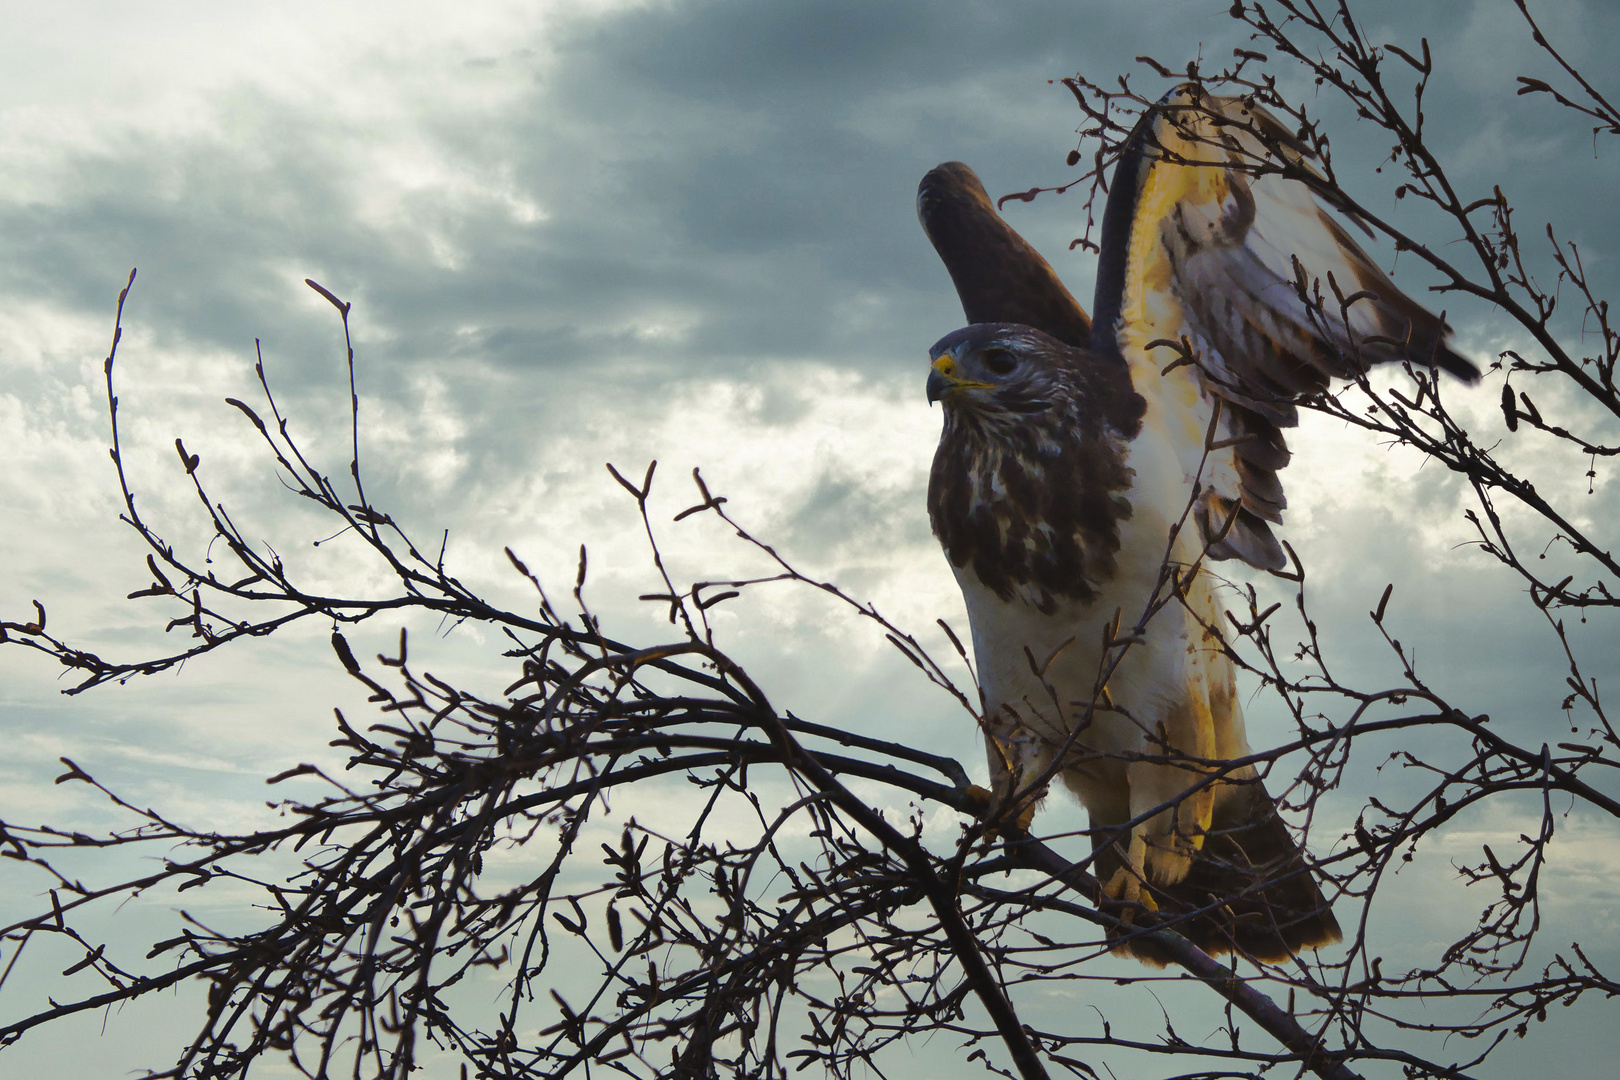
{"x": 843, "y": 518}
{"x": 742, "y": 173}
{"x": 707, "y": 158}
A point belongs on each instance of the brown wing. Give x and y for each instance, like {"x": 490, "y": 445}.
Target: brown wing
{"x": 999, "y": 277}
{"x": 1197, "y": 245}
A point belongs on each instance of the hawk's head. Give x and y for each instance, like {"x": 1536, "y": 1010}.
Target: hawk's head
{"x": 1028, "y": 482}
{"x": 1006, "y": 376}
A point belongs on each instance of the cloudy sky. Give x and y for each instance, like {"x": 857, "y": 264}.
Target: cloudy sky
{"x": 581, "y": 232}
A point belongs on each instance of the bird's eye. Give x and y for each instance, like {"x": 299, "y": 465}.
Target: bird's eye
{"x": 999, "y": 361}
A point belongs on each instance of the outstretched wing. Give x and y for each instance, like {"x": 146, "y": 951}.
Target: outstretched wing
{"x": 1206, "y": 240}
{"x": 999, "y": 277}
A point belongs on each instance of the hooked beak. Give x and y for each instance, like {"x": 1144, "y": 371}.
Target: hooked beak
{"x": 943, "y": 378}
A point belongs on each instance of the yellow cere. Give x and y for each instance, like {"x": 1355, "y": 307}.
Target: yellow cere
{"x": 946, "y": 366}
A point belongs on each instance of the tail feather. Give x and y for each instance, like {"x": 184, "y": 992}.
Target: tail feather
{"x": 1249, "y": 889}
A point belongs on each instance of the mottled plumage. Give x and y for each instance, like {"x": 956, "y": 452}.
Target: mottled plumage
{"x": 1074, "y": 487}
{"x": 1027, "y": 487}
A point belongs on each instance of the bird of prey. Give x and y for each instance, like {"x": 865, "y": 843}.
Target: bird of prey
{"x": 1090, "y": 471}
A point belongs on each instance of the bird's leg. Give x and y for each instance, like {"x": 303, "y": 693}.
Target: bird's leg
{"x": 998, "y": 810}
{"x": 1128, "y": 884}
{"x": 1008, "y": 802}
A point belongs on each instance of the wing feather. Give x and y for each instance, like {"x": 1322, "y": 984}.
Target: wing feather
{"x": 1202, "y": 243}
{"x": 999, "y": 277}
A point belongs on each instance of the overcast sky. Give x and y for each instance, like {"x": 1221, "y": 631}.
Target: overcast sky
{"x": 581, "y": 232}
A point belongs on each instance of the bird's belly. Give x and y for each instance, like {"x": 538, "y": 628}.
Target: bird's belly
{"x": 1042, "y": 672}
{"x": 1013, "y": 638}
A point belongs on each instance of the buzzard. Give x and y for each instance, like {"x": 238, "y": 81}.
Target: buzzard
{"x": 1089, "y": 471}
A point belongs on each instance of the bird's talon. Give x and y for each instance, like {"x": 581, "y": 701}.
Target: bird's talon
{"x": 1127, "y": 887}
{"x": 1122, "y": 887}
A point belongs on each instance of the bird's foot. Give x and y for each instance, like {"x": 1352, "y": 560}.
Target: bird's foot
{"x": 1127, "y": 898}
{"x": 1126, "y": 888}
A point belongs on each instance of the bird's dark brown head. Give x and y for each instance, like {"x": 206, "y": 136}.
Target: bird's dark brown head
{"x": 1026, "y": 484}
{"x": 1003, "y": 376}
